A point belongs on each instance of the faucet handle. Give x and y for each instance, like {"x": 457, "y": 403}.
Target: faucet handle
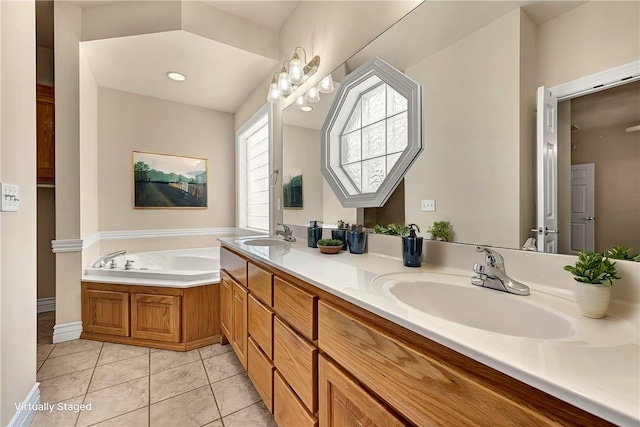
{"x": 478, "y": 269}
{"x": 492, "y": 258}
{"x": 285, "y": 227}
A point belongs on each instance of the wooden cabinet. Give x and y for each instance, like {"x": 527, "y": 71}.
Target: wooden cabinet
{"x": 45, "y": 140}
{"x": 106, "y": 312}
{"x": 260, "y": 370}
{"x": 226, "y": 305}
{"x": 155, "y": 317}
{"x": 261, "y": 325}
{"x": 239, "y": 333}
{"x": 297, "y": 307}
{"x": 288, "y": 410}
{"x": 343, "y": 402}
{"x": 161, "y": 317}
{"x": 260, "y": 283}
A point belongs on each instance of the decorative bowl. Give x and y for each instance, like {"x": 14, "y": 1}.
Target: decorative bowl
{"x": 330, "y": 249}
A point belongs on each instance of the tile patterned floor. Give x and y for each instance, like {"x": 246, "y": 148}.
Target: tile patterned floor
{"x": 140, "y": 387}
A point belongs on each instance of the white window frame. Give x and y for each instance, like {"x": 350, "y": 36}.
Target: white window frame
{"x": 241, "y": 168}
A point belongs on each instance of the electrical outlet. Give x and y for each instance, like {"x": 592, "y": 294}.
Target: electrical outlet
{"x": 10, "y": 197}
{"x": 428, "y": 205}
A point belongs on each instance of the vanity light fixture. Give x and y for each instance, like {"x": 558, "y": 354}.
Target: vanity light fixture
{"x": 174, "y": 75}
{"x": 312, "y": 95}
{"x": 301, "y": 104}
{"x": 274, "y": 94}
{"x": 299, "y": 71}
{"x": 326, "y": 84}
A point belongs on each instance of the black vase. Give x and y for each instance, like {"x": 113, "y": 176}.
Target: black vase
{"x": 340, "y": 235}
{"x": 313, "y": 235}
{"x": 357, "y": 241}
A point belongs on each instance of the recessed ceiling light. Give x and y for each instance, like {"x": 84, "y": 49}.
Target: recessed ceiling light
{"x": 173, "y": 75}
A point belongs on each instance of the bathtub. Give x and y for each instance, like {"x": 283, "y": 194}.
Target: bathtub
{"x": 177, "y": 268}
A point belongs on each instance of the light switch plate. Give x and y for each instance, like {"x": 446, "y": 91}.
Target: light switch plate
{"x": 428, "y": 205}
{"x": 10, "y": 197}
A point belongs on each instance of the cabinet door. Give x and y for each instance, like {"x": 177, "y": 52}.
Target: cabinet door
{"x": 344, "y": 403}
{"x": 226, "y": 306}
{"x": 239, "y": 332}
{"x": 105, "y": 312}
{"x": 155, "y": 317}
{"x": 45, "y": 140}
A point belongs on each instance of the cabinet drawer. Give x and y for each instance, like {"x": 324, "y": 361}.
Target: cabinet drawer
{"x": 288, "y": 410}
{"x": 155, "y": 317}
{"x": 418, "y": 387}
{"x": 260, "y": 284}
{"x": 297, "y": 307}
{"x": 297, "y": 361}
{"x": 261, "y": 325}
{"x": 260, "y": 370}
{"x": 235, "y": 265}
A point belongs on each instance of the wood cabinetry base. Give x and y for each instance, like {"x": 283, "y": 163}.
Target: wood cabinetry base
{"x": 176, "y": 346}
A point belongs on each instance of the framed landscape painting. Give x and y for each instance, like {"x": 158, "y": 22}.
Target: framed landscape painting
{"x": 292, "y": 189}
{"x": 162, "y": 181}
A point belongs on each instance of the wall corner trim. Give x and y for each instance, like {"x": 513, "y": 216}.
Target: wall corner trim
{"x": 46, "y": 304}
{"x": 27, "y": 409}
{"x": 66, "y": 245}
{"x": 67, "y": 332}
{"x": 607, "y": 79}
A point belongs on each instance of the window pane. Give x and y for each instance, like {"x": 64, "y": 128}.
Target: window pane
{"x": 396, "y": 103}
{"x": 351, "y": 147}
{"x": 373, "y": 105}
{"x": 355, "y": 121}
{"x": 373, "y": 141}
{"x": 397, "y": 138}
{"x": 373, "y": 173}
{"x": 391, "y": 161}
{"x": 257, "y": 178}
{"x": 354, "y": 172}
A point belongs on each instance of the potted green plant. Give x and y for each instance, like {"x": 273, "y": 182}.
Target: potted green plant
{"x": 440, "y": 230}
{"x": 330, "y": 246}
{"x": 594, "y": 276}
{"x": 621, "y": 252}
{"x": 340, "y": 233}
{"x": 392, "y": 230}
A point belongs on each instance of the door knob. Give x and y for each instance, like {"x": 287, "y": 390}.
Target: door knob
{"x": 545, "y": 231}
{"x": 589, "y": 218}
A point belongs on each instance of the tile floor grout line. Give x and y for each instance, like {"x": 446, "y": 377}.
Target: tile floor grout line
{"x": 68, "y": 373}
{"x": 121, "y": 360}
{"x": 215, "y": 401}
{"x": 89, "y": 385}
{"x": 124, "y": 413}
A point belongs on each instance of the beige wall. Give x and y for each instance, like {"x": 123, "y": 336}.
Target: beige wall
{"x": 471, "y": 157}
{"x": 44, "y": 66}
{"x": 18, "y": 242}
{"x": 302, "y": 151}
{"x": 130, "y": 122}
{"x": 616, "y": 155}
{"x": 46, "y": 227}
{"x": 590, "y": 38}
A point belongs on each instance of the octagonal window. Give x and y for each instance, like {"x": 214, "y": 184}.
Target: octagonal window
{"x": 372, "y": 134}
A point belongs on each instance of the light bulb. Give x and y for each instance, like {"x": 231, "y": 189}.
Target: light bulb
{"x": 296, "y": 70}
{"x": 299, "y": 103}
{"x": 326, "y": 84}
{"x": 284, "y": 85}
{"x": 174, "y": 75}
{"x": 312, "y": 95}
{"x": 307, "y": 108}
{"x": 274, "y": 94}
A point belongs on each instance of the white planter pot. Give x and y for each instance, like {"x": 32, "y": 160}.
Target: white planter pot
{"x": 593, "y": 300}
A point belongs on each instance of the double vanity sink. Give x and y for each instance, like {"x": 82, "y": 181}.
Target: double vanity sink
{"x": 540, "y": 339}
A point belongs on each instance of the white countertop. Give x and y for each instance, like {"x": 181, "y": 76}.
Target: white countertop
{"x": 596, "y": 369}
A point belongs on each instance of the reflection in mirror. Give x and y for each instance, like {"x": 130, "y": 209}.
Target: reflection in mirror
{"x": 480, "y": 64}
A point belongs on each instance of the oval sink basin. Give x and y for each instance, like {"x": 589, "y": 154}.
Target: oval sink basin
{"x": 265, "y": 242}
{"x": 483, "y": 309}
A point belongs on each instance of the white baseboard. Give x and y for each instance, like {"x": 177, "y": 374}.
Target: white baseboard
{"x": 26, "y": 410}
{"x": 67, "y": 332}
{"x": 46, "y": 304}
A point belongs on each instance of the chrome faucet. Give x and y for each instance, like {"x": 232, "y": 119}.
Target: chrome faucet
{"x": 286, "y": 233}
{"x": 109, "y": 258}
{"x": 494, "y": 276}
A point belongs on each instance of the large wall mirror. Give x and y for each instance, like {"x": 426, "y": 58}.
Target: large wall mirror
{"x": 480, "y": 64}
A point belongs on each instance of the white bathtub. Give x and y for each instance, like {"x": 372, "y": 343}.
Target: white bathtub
{"x": 178, "y": 268}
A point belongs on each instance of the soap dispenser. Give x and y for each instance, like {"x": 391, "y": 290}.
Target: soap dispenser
{"x": 412, "y": 248}
{"x": 314, "y": 233}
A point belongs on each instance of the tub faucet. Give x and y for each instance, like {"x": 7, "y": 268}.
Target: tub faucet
{"x": 286, "y": 233}
{"x": 105, "y": 259}
{"x": 494, "y": 276}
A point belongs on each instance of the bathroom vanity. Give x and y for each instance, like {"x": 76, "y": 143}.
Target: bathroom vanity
{"x": 324, "y": 342}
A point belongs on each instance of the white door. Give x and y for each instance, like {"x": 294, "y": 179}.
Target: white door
{"x": 583, "y": 218}
{"x": 547, "y": 165}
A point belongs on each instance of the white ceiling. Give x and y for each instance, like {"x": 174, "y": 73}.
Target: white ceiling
{"x": 619, "y": 106}
{"x": 267, "y": 13}
{"x": 219, "y": 76}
